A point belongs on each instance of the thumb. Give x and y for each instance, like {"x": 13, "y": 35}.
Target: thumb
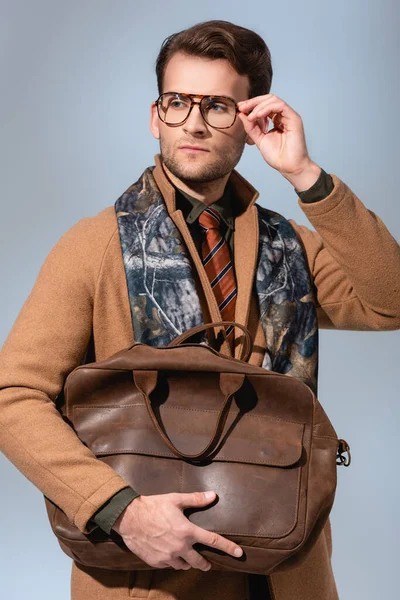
{"x": 195, "y": 499}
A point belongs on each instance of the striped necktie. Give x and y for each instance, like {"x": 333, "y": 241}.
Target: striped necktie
{"x": 219, "y": 268}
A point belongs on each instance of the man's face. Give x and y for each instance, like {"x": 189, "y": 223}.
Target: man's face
{"x": 195, "y": 75}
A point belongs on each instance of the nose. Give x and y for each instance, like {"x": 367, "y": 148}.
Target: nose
{"x": 195, "y": 122}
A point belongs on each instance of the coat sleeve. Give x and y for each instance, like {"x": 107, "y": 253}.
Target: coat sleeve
{"x": 354, "y": 262}
{"x": 47, "y": 341}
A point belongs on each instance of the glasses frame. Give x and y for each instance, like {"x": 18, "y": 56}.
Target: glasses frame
{"x": 193, "y": 102}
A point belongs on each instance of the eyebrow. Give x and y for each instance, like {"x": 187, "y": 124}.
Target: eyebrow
{"x": 204, "y": 95}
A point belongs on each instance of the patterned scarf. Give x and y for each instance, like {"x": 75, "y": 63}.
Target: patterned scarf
{"x": 162, "y": 294}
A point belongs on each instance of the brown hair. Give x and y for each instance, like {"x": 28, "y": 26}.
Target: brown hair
{"x": 245, "y": 50}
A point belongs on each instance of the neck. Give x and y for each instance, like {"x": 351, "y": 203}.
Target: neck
{"x": 208, "y": 192}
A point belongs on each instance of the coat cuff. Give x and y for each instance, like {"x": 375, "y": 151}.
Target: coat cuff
{"x": 82, "y": 518}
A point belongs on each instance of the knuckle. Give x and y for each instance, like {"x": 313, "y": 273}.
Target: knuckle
{"x": 198, "y": 497}
{"x": 180, "y": 550}
{"x": 167, "y": 556}
{"x": 214, "y": 539}
{"x": 187, "y": 531}
{"x": 183, "y": 533}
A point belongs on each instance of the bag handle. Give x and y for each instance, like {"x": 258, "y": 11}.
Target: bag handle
{"x": 247, "y": 347}
{"x": 230, "y": 383}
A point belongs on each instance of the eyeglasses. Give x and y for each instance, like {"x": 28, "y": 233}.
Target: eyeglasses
{"x": 218, "y": 111}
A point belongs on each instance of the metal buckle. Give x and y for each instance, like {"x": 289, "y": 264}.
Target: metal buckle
{"x": 343, "y": 448}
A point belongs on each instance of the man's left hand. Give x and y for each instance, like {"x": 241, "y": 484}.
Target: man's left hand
{"x": 283, "y": 147}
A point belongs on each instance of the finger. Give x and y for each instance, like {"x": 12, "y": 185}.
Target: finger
{"x": 194, "y": 499}
{"x": 197, "y": 561}
{"x": 251, "y": 125}
{"x": 252, "y": 102}
{"x": 281, "y": 115}
{"x": 179, "y": 564}
{"x": 214, "y": 540}
{"x": 272, "y": 107}
{"x": 266, "y": 100}
{"x": 161, "y": 565}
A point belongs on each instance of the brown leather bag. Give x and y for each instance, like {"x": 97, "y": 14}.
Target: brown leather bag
{"x": 185, "y": 418}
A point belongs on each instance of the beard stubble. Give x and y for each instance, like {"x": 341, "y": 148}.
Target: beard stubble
{"x": 204, "y": 172}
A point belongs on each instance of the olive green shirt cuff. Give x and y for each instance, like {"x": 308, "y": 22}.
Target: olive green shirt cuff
{"x": 106, "y": 516}
{"x": 320, "y": 190}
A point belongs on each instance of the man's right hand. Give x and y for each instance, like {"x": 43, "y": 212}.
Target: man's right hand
{"x": 157, "y": 531}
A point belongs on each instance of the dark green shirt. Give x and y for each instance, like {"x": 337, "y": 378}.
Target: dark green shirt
{"x": 191, "y": 208}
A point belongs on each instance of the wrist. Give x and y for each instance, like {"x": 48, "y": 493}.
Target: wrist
{"x": 120, "y": 523}
{"x": 305, "y": 178}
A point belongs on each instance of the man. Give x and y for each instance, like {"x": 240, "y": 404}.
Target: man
{"x": 83, "y": 284}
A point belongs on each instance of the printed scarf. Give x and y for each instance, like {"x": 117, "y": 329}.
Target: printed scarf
{"x": 162, "y": 294}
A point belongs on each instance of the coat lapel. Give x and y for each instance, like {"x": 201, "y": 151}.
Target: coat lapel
{"x": 245, "y": 247}
{"x": 245, "y": 258}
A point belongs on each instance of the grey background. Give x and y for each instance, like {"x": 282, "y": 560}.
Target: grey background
{"x": 76, "y": 81}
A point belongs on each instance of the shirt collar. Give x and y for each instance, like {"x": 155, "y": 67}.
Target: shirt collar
{"x": 192, "y": 207}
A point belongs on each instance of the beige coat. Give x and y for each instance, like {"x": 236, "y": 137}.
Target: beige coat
{"x": 355, "y": 264}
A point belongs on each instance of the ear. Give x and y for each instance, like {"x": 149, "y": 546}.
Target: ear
{"x": 154, "y": 121}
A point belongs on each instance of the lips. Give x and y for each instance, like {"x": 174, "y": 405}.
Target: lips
{"x": 193, "y": 148}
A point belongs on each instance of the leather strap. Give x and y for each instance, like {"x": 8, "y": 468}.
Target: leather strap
{"x": 247, "y": 346}
{"x": 230, "y": 383}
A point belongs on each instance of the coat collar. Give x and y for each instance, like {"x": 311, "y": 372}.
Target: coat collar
{"x": 245, "y": 246}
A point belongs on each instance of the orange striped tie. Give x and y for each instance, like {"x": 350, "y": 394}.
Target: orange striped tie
{"x": 219, "y": 268}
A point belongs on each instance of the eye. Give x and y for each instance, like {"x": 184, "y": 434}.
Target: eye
{"x": 216, "y": 106}
{"x": 176, "y": 103}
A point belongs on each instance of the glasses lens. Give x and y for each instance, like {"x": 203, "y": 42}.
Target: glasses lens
{"x": 218, "y": 111}
{"x": 173, "y": 108}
